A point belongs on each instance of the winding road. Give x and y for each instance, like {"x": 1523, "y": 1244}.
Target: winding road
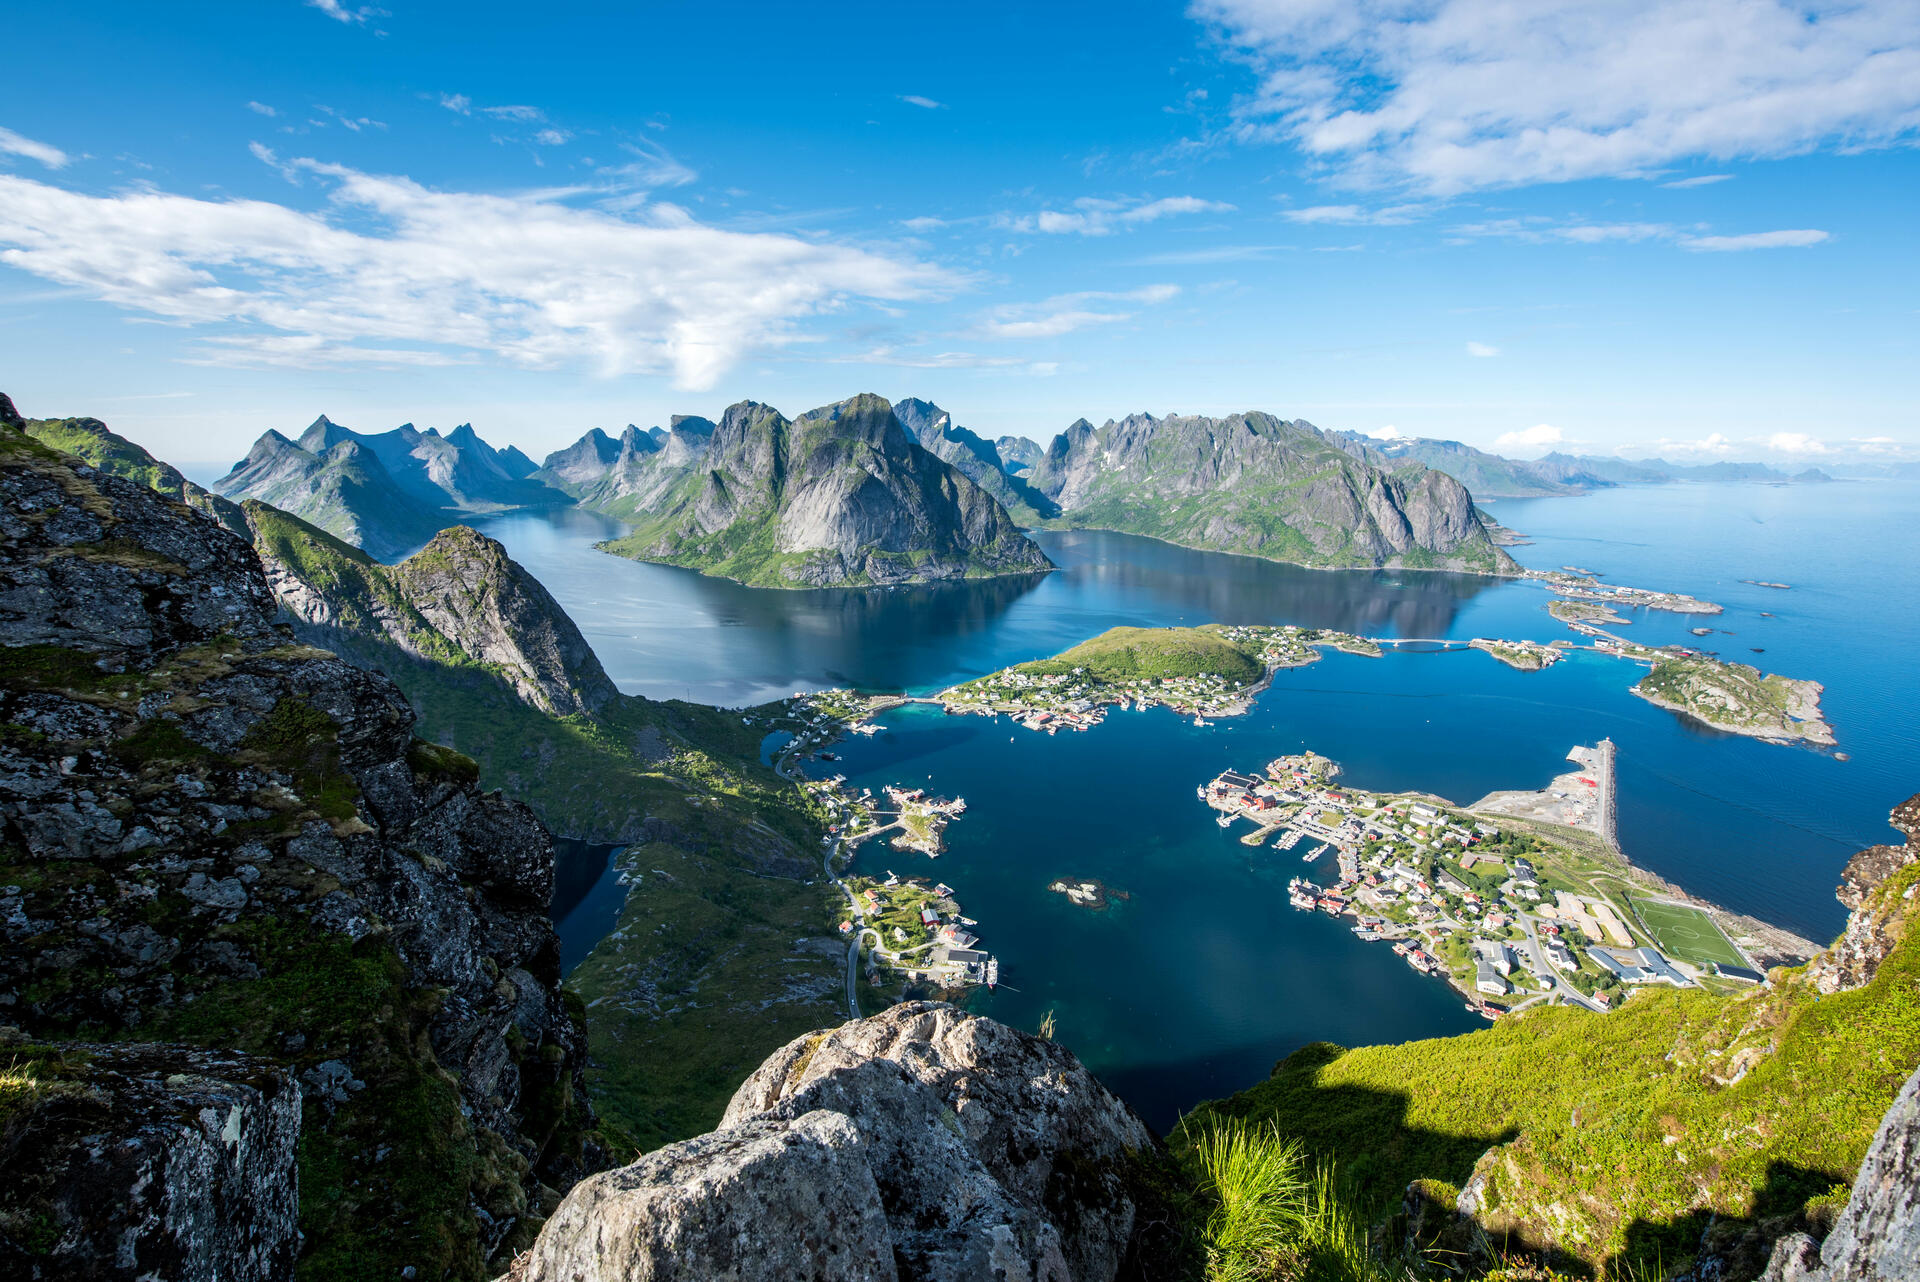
{"x": 861, "y": 929}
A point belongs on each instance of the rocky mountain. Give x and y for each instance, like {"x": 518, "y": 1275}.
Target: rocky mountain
{"x": 920, "y": 1143}
{"x": 1264, "y": 486}
{"x": 646, "y": 465}
{"x": 839, "y": 496}
{"x": 1019, "y": 455}
{"x": 89, "y": 439}
{"x": 459, "y": 599}
{"x": 386, "y": 492}
{"x": 974, "y": 455}
{"x": 281, "y": 951}
{"x": 1487, "y": 476}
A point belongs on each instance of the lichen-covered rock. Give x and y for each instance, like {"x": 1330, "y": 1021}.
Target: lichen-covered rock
{"x": 961, "y": 1149}
{"x": 1877, "y": 1237}
{"x": 1874, "y": 926}
{"x": 146, "y": 1161}
{"x": 212, "y": 834}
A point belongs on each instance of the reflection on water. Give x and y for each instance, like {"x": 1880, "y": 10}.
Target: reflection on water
{"x": 671, "y": 633}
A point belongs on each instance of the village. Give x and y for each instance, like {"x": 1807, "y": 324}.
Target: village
{"x": 1050, "y": 696}
{"x": 920, "y": 934}
{"x": 1508, "y": 917}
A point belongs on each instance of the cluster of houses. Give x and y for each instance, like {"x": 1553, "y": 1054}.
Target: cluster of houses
{"x": 1078, "y": 700}
{"x": 925, "y": 936}
{"x": 1424, "y": 876}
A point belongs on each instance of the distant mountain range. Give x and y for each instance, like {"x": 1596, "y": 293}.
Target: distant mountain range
{"x": 872, "y": 492}
{"x": 1490, "y": 476}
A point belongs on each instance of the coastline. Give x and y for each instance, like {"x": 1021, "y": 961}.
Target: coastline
{"x": 1814, "y": 730}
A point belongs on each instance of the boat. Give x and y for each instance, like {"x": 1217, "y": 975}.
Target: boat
{"x": 1313, "y": 854}
{"x": 1201, "y": 792}
{"x": 1225, "y": 821}
{"x": 993, "y": 971}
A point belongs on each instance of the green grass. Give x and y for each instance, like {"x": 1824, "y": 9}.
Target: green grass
{"x": 1686, "y": 933}
{"x": 1618, "y": 1137}
{"x": 1150, "y": 654}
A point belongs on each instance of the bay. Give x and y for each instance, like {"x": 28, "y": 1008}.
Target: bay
{"x": 1205, "y": 977}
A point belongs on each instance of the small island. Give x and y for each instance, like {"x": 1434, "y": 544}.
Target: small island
{"x": 1088, "y": 892}
{"x": 921, "y": 935}
{"x": 1737, "y": 698}
{"x": 1527, "y": 656}
{"x": 1209, "y": 671}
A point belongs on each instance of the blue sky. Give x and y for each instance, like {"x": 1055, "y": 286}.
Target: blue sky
{"x": 1639, "y": 225}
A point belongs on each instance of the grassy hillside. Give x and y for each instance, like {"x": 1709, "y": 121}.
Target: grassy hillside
{"x": 1150, "y": 654}
{"x": 90, "y": 439}
{"x": 1615, "y": 1141}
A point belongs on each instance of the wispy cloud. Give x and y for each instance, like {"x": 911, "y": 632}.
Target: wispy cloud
{"x": 1795, "y": 238}
{"x": 1701, "y": 180}
{"x": 1482, "y": 349}
{"x": 340, "y": 13}
{"x": 1542, "y": 230}
{"x": 651, "y": 166}
{"x": 13, "y": 144}
{"x": 1355, "y": 215}
{"x": 1450, "y": 96}
{"x": 1796, "y": 443}
{"x": 261, "y": 108}
{"x": 551, "y": 137}
{"x": 1211, "y": 254}
{"x": 918, "y": 101}
{"x": 515, "y": 111}
{"x": 1065, "y": 313}
{"x": 354, "y": 123}
{"x": 458, "y": 103}
{"x": 1098, "y": 216}
{"x": 888, "y": 355}
{"x": 392, "y": 272}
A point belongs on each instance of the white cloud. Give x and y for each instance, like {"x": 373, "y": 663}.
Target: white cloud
{"x": 1482, "y": 349}
{"x": 13, "y": 144}
{"x": 1796, "y": 443}
{"x": 515, "y": 112}
{"x": 946, "y": 360}
{"x": 551, "y": 137}
{"x": 1064, "y": 313}
{"x": 1714, "y": 444}
{"x": 340, "y": 13}
{"x": 1540, "y": 436}
{"x": 1455, "y": 95}
{"x": 261, "y": 108}
{"x": 457, "y": 102}
{"x": 1354, "y": 215}
{"x": 1097, "y": 216}
{"x": 391, "y": 271}
{"x": 919, "y": 101}
{"x": 1790, "y": 239}
{"x": 1703, "y": 180}
{"x": 923, "y": 223}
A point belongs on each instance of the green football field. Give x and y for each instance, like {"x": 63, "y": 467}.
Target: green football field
{"x": 1687, "y": 933}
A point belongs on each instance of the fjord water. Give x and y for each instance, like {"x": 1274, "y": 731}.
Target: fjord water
{"x": 1199, "y": 982}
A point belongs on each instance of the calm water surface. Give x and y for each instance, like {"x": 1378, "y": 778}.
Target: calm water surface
{"x": 1200, "y": 981}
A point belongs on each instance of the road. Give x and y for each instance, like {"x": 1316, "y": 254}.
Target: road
{"x": 861, "y": 929}
{"x": 1561, "y": 988}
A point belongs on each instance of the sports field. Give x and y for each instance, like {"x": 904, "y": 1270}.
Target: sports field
{"x": 1687, "y": 933}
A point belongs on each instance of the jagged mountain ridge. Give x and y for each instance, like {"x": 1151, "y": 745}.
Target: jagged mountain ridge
{"x": 840, "y": 496}
{"x": 1264, "y": 486}
{"x": 974, "y": 455}
{"x": 387, "y": 492}
{"x": 229, "y": 848}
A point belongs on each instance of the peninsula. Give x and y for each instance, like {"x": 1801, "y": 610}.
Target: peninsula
{"x": 1518, "y": 900}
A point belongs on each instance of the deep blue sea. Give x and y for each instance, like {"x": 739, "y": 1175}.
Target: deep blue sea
{"x": 1195, "y": 985}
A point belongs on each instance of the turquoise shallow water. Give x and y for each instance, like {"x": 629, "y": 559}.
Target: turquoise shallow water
{"x": 1205, "y": 977}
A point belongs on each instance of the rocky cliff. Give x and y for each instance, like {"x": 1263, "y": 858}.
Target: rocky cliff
{"x": 90, "y": 439}
{"x": 1256, "y": 484}
{"x": 840, "y": 495}
{"x": 227, "y": 847}
{"x": 920, "y": 1143}
{"x": 461, "y": 599}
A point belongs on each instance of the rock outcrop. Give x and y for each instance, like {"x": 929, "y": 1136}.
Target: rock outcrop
{"x": 1264, "y": 486}
{"x": 920, "y": 1143}
{"x": 152, "y": 1161}
{"x": 978, "y": 458}
{"x": 839, "y": 496}
{"x": 1877, "y": 1237}
{"x": 1875, "y": 923}
{"x": 217, "y": 836}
